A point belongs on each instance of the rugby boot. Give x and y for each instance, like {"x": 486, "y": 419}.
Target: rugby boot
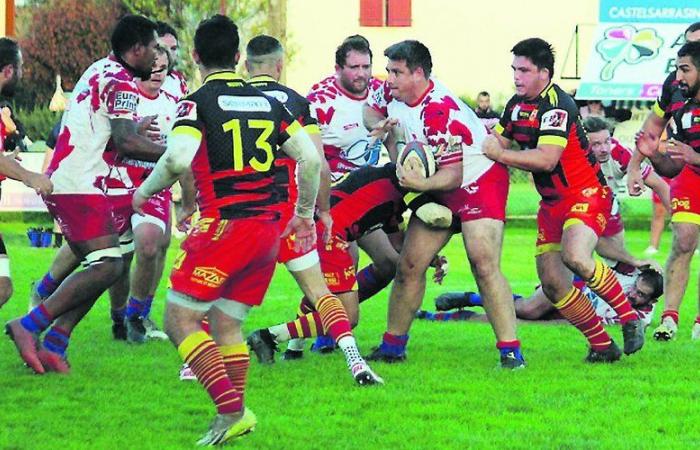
{"x": 609, "y": 355}
{"x": 263, "y": 344}
{"x": 152, "y": 330}
{"x": 323, "y": 345}
{"x": 53, "y": 362}
{"x": 453, "y": 300}
{"x": 695, "y": 335}
{"x": 228, "y": 427}
{"x": 633, "y": 336}
{"x": 135, "y": 330}
{"x": 119, "y": 330}
{"x": 291, "y": 355}
{"x": 26, "y": 343}
{"x": 667, "y": 330}
{"x": 364, "y": 375}
{"x": 186, "y": 373}
{"x": 512, "y": 360}
{"x": 380, "y": 355}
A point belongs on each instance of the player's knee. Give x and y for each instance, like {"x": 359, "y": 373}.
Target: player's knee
{"x": 408, "y": 271}
{"x": 578, "y": 263}
{"x": 108, "y": 269}
{"x": 484, "y": 266}
{"x": 147, "y": 250}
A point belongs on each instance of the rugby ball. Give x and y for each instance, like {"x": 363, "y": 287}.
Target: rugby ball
{"x": 419, "y": 157}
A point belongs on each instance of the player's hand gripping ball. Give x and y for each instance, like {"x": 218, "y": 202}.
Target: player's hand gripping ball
{"x": 418, "y": 157}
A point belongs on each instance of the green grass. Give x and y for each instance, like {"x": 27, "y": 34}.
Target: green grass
{"x": 447, "y": 395}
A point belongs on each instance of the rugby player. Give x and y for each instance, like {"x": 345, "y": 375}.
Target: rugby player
{"x": 103, "y": 112}
{"x": 175, "y": 83}
{"x": 226, "y": 263}
{"x": 642, "y": 286}
{"x": 473, "y": 187}
{"x": 678, "y": 157}
{"x": 575, "y": 204}
{"x": 10, "y": 73}
{"x": 683, "y": 226}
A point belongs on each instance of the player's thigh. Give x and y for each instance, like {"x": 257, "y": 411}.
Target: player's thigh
{"x": 685, "y": 237}
{"x": 378, "y": 247}
{"x": 483, "y": 241}
{"x": 421, "y": 244}
{"x": 578, "y": 242}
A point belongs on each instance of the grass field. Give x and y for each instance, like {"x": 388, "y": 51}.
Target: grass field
{"x": 447, "y": 395}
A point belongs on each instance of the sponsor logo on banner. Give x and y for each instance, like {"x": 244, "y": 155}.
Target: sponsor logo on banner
{"x": 244, "y": 104}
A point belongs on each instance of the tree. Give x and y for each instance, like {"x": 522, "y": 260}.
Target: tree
{"x": 63, "y": 37}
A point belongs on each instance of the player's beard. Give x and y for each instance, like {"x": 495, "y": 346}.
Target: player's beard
{"x": 352, "y": 88}
{"x": 9, "y": 89}
{"x": 691, "y": 91}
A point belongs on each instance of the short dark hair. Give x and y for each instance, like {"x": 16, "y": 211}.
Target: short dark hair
{"x": 483, "y": 94}
{"x": 9, "y": 52}
{"x": 537, "y": 50}
{"x": 130, "y": 31}
{"x": 216, "y": 42}
{"x": 692, "y": 28}
{"x": 691, "y": 49}
{"x": 262, "y": 45}
{"x": 654, "y": 278}
{"x": 414, "y": 53}
{"x": 594, "y": 124}
{"x": 165, "y": 28}
{"x": 356, "y": 43}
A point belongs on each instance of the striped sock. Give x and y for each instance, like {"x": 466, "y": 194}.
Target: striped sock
{"x": 200, "y": 352}
{"x": 393, "y": 344}
{"x": 37, "y": 320}
{"x": 605, "y": 284}
{"x": 46, "y": 286}
{"x": 672, "y": 314}
{"x": 370, "y": 283}
{"x": 135, "y": 307}
{"x": 577, "y": 309}
{"x": 57, "y": 340}
{"x": 333, "y": 317}
{"x": 306, "y": 326}
{"x": 236, "y": 361}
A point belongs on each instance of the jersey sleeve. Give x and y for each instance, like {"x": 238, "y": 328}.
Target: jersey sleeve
{"x": 287, "y": 124}
{"x": 504, "y": 127}
{"x": 379, "y": 98}
{"x": 556, "y": 122}
{"x": 187, "y": 120}
{"x": 662, "y": 106}
{"x": 307, "y": 120}
{"x": 120, "y": 97}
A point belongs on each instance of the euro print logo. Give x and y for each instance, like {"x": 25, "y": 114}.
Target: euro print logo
{"x": 626, "y": 44}
{"x": 125, "y": 101}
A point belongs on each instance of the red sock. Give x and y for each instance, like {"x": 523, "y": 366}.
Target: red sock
{"x": 605, "y": 284}
{"x": 577, "y": 309}
{"x": 205, "y": 326}
{"x": 236, "y": 361}
{"x": 306, "y": 326}
{"x": 333, "y": 316}
{"x": 200, "y": 352}
{"x": 670, "y": 313}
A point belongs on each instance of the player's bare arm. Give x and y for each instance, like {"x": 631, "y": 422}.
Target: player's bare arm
{"x": 661, "y": 188}
{"x": 132, "y": 144}
{"x": 446, "y": 178}
{"x": 323, "y": 201}
{"x": 11, "y": 169}
{"x": 650, "y": 146}
{"x": 544, "y": 158}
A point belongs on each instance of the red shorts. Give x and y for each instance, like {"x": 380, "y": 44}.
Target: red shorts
{"x": 156, "y": 210}
{"x": 615, "y": 224}
{"x": 121, "y": 206}
{"x": 484, "y": 198}
{"x": 287, "y": 252}
{"x": 337, "y": 264}
{"x": 685, "y": 197}
{"x": 82, "y": 217}
{"x": 591, "y": 207}
{"x": 231, "y": 259}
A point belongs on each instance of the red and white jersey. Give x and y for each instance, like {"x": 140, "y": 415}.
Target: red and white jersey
{"x": 106, "y": 91}
{"x": 606, "y": 313}
{"x": 175, "y": 84}
{"x": 126, "y": 173}
{"x": 615, "y": 168}
{"x": 442, "y": 121}
{"x": 346, "y": 141}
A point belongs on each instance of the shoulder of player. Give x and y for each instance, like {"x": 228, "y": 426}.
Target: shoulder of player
{"x": 323, "y": 91}
{"x": 555, "y": 97}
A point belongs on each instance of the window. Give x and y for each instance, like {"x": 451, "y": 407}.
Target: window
{"x": 390, "y": 13}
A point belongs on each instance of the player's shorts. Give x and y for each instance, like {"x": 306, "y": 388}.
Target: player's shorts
{"x": 122, "y": 209}
{"x": 337, "y": 264}
{"x": 294, "y": 260}
{"x": 685, "y": 197}
{"x": 615, "y": 225}
{"x": 156, "y": 211}
{"x": 483, "y": 199}
{"x": 230, "y": 259}
{"x": 82, "y": 217}
{"x": 591, "y": 207}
